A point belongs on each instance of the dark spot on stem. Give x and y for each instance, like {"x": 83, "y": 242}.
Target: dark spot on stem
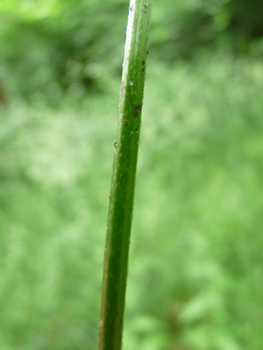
{"x": 137, "y": 109}
{"x": 139, "y": 106}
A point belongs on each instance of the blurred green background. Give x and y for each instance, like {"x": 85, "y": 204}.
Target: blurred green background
{"x": 196, "y": 251}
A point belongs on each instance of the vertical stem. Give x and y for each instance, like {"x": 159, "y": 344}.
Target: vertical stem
{"x": 123, "y": 176}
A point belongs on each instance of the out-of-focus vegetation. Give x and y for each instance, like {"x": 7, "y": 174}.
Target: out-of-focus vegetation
{"x": 196, "y": 264}
{"x": 56, "y": 46}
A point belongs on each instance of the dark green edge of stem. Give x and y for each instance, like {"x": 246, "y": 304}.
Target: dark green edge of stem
{"x": 123, "y": 177}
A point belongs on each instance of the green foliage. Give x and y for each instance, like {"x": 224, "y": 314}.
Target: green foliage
{"x": 196, "y": 259}
{"x": 52, "y": 226}
{"x": 196, "y": 245}
{"x": 72, "y": 47}
{"x": 62, "y": 51}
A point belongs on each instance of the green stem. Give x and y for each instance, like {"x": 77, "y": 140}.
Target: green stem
{"x": 123, "y": 176}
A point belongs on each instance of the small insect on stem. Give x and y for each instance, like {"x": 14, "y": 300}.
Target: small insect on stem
{"x": 115, "y": 144}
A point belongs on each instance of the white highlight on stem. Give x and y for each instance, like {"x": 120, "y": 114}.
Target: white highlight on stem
{"x": 127, "y": 47}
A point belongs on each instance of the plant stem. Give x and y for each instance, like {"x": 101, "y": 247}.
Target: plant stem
{"x": 123, "y": 176}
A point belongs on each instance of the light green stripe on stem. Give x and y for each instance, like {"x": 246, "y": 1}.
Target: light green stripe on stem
{"x": 123, "y": 176}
